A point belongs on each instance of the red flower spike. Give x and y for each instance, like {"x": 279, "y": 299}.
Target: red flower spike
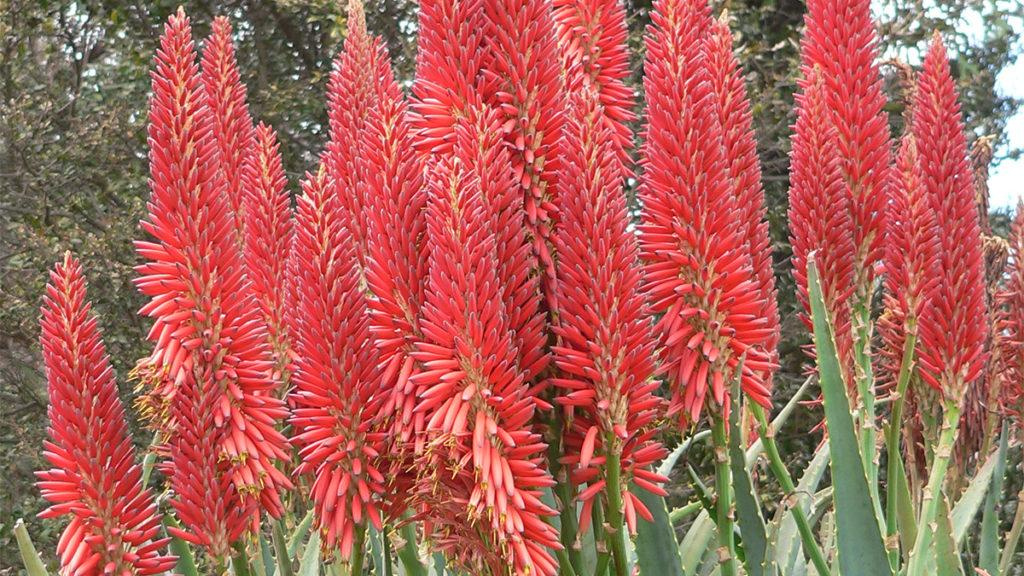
{"x": 232, "y": 124}
{"x": 95, "y": 480}
{"x": 592, "y": 37}
{"x": 744, "y": 168}
{"x": 841, "y": 40}
{"x": 338, "y": 396}
{"x": 911, "y": 258}
{"x": 522, "y": 77}
{"x": 351, "y": 94}
{"x": 952, "y": 335}
{"x": 478, "y": 142}
{"x": 207, "y": 325}
{"x": 1011, "y": 324}
{"x": 698, "y": 271}
{"x": 396, "y": 270}
{"x": 607, "y": 344}
{"x": 448, "y": 63}
{"x": 268, "y": 237}
{"x": 820, "y": 221}
{"x": 472, "y": 386}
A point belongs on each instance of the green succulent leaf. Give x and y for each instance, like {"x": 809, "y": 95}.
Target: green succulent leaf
{"x": 657, "y": 551}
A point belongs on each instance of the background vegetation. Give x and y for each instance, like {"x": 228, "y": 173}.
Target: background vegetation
{"x": 73, "y": 98}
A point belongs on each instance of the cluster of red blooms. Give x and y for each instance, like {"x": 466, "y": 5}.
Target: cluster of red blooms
{"x": 459, "y": 261}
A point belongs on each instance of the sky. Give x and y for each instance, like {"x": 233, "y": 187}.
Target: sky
{"x": 1006, "y": 181}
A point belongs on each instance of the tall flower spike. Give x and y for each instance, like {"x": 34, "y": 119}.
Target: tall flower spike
{"x": 472, "y": 385}
{"x": 268, "y": 238}
{"x": 206, "y": 323}
{"x": 841, "y": 40}
{"x": 1011, "y": 303}
{"x": 338, "y": 397}
{"x": 523, "y": 79}
{"x": 607, "y": 343}
{"x": 448, "y": 63}
{"x": 351, "y": 94}
{"x": 697, "y": 266}
{"x": 232, "y": 124}
{"x": 95, "y": 479}
{"x": 743, "y": 167}
{"x": 396, "y": 269}
{"x": 592, "y": 37}
{"x": 819, "y": 216}
{"x": 911, "y": 257}
{"x": 952, "y": 335}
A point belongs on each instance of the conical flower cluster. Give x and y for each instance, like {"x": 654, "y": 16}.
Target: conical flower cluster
{"x": 337, "y": 381}
{"x": 94, "y": 479}
{"x": 952, "y": 333}
{"x": 698, "y": 267}
{"x": 210, "y": 343}
{"x": 607, "y": 344}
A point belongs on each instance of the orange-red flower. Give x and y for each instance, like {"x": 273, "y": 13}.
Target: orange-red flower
{"x": 209, "y": 341}
{"x": 911, "y": 257}
{"x": 232, "y": 124}
{"x": 820, "y": 220}
{"x": 95, "y": 480}
{"x": 840, "y": 40}
{"x": 953, "y": 330}
{"x": 592, "y": 37}
{"x": 522, "y": 78}
{"x": 268, "y": 238}
{"x": 352, "y": 92}
{"x": 396, "y": 267}
{"x": 743, "y": 167}
{"x": 698, "y": 269}
{"x": 607, "y": 344}
{"x": 472, "y": 385}
{"x": 337, "y": 381}
{"x": 448, "y": 62}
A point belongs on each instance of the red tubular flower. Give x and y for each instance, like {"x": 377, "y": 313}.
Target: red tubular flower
{"x": 396, "y": 270}
{"x": 820, "y": 221}
{"x": 607, "y": 343}
{"x": 338, "y": 396}
{"x": 911, "y": 257}
{"x": 210, "y": 345}
{"x": 351, "y": 94}
{"x": 840, "y": 40}
{"x": 448, "y": 63}
{"x": 743, "y": 167}
{"x": 94, "y": 478}
{"x": 952, "y": 333}
{"x": 472, "y": 385}
{"x": 522, "y": 78}
{"x": 1011, "y": 311}
{"x": 268, "y": 237}
{"x": 592, "y": 38}
{"x": 697, "y": 265}
{"x": 232, "y": 124}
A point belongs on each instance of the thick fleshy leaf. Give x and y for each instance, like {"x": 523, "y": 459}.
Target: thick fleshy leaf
{"x": 657, "y": 550}
{"x": 966, "y": 508}
{"x": 988, "y": 554}
{"x": 29, "y": 557}
{"x": 748, "y": 508}
{"x": 860, "y": 546}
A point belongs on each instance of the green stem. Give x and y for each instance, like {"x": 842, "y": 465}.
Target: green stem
{"x": 564, "y": 493}
{"x": 781, "y": 474}
{"x": 930, "y": 499}
{"x": 866, "y": 394}
{"x": 892, "y": 441}
{"x": 358, "y": 550}
{"x": 240, "y": 560}
{"x": 613, "y": 493}
{"x": 1013, "y": 538}
{"x": 723, "y": 494}
{"x": 408, "y": 554}
{"x": 386, "y": 543}
{"x": 678, "y": 514}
